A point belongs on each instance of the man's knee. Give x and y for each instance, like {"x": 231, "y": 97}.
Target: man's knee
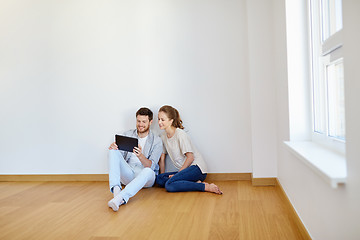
{"x": 148, "y": 172}
{"x": 149, "y": 175}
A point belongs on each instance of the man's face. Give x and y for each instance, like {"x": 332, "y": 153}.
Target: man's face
{"x": 142, "y": 123}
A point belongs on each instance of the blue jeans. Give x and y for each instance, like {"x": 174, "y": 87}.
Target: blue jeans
{"x": 134, "y": 177}
{"x": 183, "y": 181}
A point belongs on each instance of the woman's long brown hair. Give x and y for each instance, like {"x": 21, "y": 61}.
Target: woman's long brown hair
{"x": 173, "y": 114}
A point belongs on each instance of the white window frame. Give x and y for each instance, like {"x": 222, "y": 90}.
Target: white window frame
{"x": 327, "y": 52}
{"x": 328, "y": 164}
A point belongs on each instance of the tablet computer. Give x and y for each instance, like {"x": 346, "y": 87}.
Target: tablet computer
{"x": 126, "y": 143}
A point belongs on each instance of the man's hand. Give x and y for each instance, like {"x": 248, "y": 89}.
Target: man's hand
{"x": 144, "y": 161}
{"x": 113, "y": 146}
{"x": 138, "y": 151}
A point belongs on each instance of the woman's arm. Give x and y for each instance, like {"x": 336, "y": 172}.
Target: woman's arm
{"x": 188, "y": 161}
{"x": 162, "y": 163}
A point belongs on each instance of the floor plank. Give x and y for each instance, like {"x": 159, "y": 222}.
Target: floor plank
{"x": 78, "y": 210}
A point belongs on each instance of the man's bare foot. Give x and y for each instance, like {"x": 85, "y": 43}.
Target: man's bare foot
{"x": 212, "y": 188}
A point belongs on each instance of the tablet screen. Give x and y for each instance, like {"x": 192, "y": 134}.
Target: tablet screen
{"x": 126, "y": 143}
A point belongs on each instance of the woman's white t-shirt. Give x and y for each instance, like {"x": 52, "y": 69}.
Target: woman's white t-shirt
{"x": 178, "y": 145}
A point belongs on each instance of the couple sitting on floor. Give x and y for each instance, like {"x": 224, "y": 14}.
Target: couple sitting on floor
{"x": 141, "y": 167}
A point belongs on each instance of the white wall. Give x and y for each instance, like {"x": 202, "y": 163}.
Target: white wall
{"x": 262, "y": 59}
{"x": 326, "y": 212}
{"x": 73, "y": 73}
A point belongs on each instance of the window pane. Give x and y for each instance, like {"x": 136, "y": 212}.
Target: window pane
{"x": 319, "y": 104}
{"x": 336, "y": 100}
{"x": 331, "y": 17}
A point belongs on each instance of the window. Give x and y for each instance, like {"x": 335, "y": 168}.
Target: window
{"x": 331, "y": 12}
{"x": 328, "y": 100}
{"x": 316, "y": 87}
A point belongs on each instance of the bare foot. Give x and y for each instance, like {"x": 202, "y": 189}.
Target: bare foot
{"x": 212, "y": 188}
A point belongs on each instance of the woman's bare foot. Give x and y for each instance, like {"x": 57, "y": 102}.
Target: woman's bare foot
{"x": 212, "y": 188}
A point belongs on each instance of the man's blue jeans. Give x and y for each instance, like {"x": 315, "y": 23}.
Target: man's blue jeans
{"x": 183, "y": 181}
{"x": 134, "y": 177}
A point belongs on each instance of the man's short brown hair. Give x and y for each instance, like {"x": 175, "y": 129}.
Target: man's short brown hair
{"x": 145, "y": 112}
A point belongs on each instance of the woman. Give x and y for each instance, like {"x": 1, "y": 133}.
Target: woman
{"x": 192, "y": 168}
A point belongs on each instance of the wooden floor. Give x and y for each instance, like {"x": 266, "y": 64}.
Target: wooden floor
{"x": 78, "y": 210}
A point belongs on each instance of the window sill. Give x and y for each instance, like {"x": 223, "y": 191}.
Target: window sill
{"x": 331, "y": 166}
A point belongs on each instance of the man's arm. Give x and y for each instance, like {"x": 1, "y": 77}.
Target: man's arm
{"x": 138, "y": 152}
{"x": 154, "y": 157}
{"x": 156, "y": 152}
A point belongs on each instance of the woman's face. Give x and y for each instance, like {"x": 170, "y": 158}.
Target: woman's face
{"x": 164, "y": 121}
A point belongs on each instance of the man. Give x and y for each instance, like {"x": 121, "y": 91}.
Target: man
{"x": 135, "y": 169}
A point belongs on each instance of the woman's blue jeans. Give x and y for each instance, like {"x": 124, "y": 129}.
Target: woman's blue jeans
{"x": 183, "y": 181}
